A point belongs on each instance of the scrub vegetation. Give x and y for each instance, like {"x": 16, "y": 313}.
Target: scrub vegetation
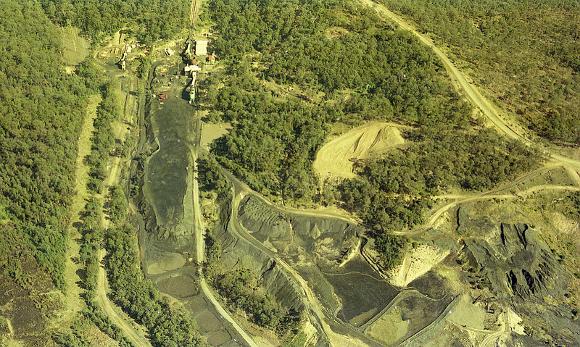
{"x": 367, "y": 70}
{"x": 524, "y": 52}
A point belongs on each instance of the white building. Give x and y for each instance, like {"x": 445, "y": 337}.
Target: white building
{"x": 201, "y": 47}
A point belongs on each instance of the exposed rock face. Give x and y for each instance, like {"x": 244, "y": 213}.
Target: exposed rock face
{"x": 328, "y": 239}
{"x": 237, "y": 251}
{"x": 514, "y": 262}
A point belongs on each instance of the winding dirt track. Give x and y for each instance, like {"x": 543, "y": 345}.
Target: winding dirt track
{"x": 127, "y": 325}
{"x": 73, "y": 300}
{"x": 136, "y": 337}
{"x": 200, "y": 246}
{"x": 489, "y": 110}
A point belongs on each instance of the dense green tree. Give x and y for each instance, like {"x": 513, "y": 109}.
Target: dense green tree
{"x": 295, "y": 67}
{"x": 525, "y": 52}
{"x": 41, "y": 113}
{"x": 149, "y": 20}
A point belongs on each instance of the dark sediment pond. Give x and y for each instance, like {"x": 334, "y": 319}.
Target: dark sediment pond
{"x": 167, "y": 169}
{"x": 362, "y": 292}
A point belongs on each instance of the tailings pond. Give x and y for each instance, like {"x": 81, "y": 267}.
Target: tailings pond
{"x": 166, "y": 171}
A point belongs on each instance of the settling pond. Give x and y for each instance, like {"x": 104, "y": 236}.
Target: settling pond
{"x": 166, "y": 170}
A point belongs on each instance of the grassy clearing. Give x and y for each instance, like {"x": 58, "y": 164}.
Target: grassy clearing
{"x": 73, "y": 301}
{"x": 75, "y": 47}
{"x": 335, "y": 158}
{"x": 213, "y": 131}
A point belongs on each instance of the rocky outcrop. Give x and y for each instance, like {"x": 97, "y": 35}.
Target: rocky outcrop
{"x": 513, "y": 262}
{"x": 330, "y": 240}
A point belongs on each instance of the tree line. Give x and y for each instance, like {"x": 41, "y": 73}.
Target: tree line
{"x": 41, "y": 114}
{"x": 148, "y": 20}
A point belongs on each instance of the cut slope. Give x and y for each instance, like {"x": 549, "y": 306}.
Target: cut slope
{"x": 335, "y": 158}
{"x": 417, "y": 263}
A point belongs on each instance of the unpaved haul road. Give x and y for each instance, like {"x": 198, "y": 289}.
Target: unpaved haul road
{"x": 126, "y": 324}
{"x": 489, "y": 110}
{"x": 200, "y": 245}
{"x": 103, "y": 301}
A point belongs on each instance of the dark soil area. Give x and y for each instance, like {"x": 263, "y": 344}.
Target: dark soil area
{"x": 361, "y": 291}
{"x": 166, "y": 171}
{"x": 421, "y": 311}
{"x": 431, "y": 284}
{"x": 179, "y": 286}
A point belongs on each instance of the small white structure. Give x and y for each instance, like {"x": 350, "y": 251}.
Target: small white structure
{"x": 201, "y": 47}
{"x": 169, "y": 52}
{"x": 192, "y": 87}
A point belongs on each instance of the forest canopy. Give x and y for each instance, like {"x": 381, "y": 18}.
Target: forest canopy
{"x": 41, "y": 113}
{"x": 150, "y": 20}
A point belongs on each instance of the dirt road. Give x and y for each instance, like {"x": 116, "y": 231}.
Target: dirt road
{"x": 435, "y": 216}
{"x": 200, "y": 244}
{"x": 498, "y": 118}
{"x": 136, "y": 337}
{"x": 73, "y": 300}
{"x": 225, "y": 314}
{"x": 125, "y": 323}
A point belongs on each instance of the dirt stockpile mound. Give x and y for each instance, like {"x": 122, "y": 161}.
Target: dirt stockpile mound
{"x": 515, "y": 262}
{"x": 335, "y": 158}
{"x": 521, "y": 271}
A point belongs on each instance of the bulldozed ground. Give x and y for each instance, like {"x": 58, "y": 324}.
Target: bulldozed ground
{"x": 336, "y": 158}
{"x": 167, "y": 169}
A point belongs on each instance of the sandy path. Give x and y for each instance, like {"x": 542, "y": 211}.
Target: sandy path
{"x": 499, "y": 120}
{"x": 73, "y": 300}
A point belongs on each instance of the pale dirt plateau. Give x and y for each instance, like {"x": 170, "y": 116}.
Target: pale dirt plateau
{"x": 211, "y": 132}
{"x": 372, "y": 139}
{"x": 416, "y": 263}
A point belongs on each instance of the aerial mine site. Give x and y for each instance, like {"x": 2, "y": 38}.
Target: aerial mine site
{"x": 289, "y": 173}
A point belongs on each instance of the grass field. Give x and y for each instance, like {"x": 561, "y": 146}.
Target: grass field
{"x": 213, "y": 131}
{"x": 75, "y": 48}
